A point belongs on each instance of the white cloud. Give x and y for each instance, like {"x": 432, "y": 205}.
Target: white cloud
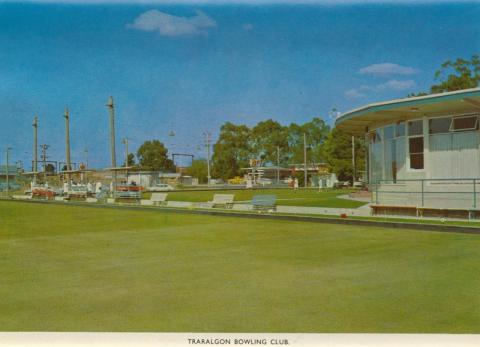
{"x": 354, "y": 94}
{"x": 392, "y": 85}
{"x": 168, "y": 25}
{"x": 385, "y": 69}
{"x": 247, "y": 26}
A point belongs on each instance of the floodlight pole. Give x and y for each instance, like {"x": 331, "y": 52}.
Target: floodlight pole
{"x": 353, "y": 160}
{"x": 86, "y": 158}
{"x": 111, "y": 112}
{"x": 66, "y": 115}
{"x": 125, "y": 142}
{"x": 208, "y": 138}
{"x": 6, "y": 168}
{"x": 305, "y": 158}
{"x": 35, "y": 149}
{"x": 278, "y": 164}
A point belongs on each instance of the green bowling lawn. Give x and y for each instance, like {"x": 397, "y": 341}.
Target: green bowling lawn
{"x": 70, "y": 268}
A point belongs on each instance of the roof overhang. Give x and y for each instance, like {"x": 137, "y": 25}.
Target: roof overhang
{"x": 360, "y": 120}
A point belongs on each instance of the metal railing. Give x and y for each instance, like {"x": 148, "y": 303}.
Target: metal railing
{"x": 428, "y": 192}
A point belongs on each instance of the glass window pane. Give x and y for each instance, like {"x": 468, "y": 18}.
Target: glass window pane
{"x": 416, "y": 145}
{"x": 415, "y": 128}
{"x": 416, "y": 161}
{"x": 464, "y": 123}
{"x": 378, "y": 135}
{"x": 400, "y": 129}
{"x": 388, "y": 132}
{"x": 439, "y": 125}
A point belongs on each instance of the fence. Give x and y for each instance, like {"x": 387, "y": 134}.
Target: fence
{"x": 460, "y": 193}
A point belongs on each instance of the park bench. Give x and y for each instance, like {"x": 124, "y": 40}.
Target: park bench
{"x": 222, "y": 200}
{"x": 159, "y": 198}
{"x": 264, "y": 203}
{"x": 155, "y": 199}
{"x": 128, "y": 194}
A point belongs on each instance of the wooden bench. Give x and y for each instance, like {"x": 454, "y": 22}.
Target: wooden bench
{"x": 264, "y": 203}
{"x": 128, "y": 195}
{"x": 447, "y": 212}
{"x": 222, "y": 200}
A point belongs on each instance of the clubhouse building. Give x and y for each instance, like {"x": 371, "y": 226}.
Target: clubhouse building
{"x": 423, "y": 153}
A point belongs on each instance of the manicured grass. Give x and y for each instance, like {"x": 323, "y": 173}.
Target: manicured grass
{"x": 288, "y": 197}
{"x": 70, "y": 268}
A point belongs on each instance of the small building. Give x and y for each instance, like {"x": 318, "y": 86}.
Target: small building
{"x": 423, "y": 152}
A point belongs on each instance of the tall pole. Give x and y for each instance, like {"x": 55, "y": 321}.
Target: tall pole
{"x": 35, "y": 149}
{"x": 66, "y": 115}
{"x": 305, "y": 158}
{"x": 44, "y": 148}
{"x": 278, "y": 164}
{"x": 6, "y": 168}
{"x": 208, "y": 137}
{"x": 125, "y": 142}
{"x": 86, "y": 158}
{"x": 111, "y": 112}
{"x": 353, "y": 160}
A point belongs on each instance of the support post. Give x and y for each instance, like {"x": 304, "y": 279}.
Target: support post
{"x": 67, "y": 146}
{"x": 111, "y": 112}
{"x": 305, "y": 159}
{"x": 35, "y": 149}
{"x": 423, "y": 193}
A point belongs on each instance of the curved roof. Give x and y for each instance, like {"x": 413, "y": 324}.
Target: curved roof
{"x": 359, "y": 120}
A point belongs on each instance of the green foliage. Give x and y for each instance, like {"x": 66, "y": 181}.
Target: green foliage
{"x": 457, "y": 75}
{"x": 266, "y": 136}
{"x": 338, "y": 154}
{"x": 232, "y": 151}
{"x": 199, "y": 170}
{"x": 316, "y": 132}
{"x": 153, "y": 156}
{"x": 239, "y": 143}
{"x": 130, "y": 160}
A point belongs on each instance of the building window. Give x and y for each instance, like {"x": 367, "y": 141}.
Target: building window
{"x": 464, "y": 123}
{"x": 400, "y": 129}
{"x": 439, "y": 125}
{"x": 415, "y": 144}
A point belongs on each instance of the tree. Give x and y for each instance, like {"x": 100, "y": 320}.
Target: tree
{"x": 316, "y": 132}
{"x": 153, "y": 156}
{"x": 458, "y": 74}
{"x": 338, "y": 154}
{"x": 266, "y": 136}
{"x": 231, "y": 151}
{"x": 130, "y": 160}
{"x": 199, "y": 170}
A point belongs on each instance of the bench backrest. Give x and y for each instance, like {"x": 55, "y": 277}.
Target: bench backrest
{"x": 159, "y": 197}
{"x": 223, "y": 198}
{"x": 264, "y": 200}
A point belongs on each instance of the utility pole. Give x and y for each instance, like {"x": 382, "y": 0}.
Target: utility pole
{"x": 6, "y": 169}
{"x": 278, "y": 164}
{"x": 85, "y": 151}
{"x": 35, "y": 149}
{"x": 353, "y": 160}
{"x": 125, "y": 142}
{"x": 111, "y": 112}
{"x": 44, "y": 148}
{"x": 66, "y": 115}
{"x": 305, "y": 158}
{"x": 208, "y": 138}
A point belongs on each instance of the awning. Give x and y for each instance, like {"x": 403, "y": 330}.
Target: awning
{"x": 360, "y": 120}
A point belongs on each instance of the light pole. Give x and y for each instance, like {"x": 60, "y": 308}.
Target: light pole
{"x": 208, "y": 138}
{"x": 278, "y": 164}
{"x": 6, "y": 168}
{"x": 111, "y": 113}
{"x": 305, "y": 158}
{"x": 85, "y": 151}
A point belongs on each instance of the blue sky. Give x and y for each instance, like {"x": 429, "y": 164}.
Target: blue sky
{"x": 189, "y": 66}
